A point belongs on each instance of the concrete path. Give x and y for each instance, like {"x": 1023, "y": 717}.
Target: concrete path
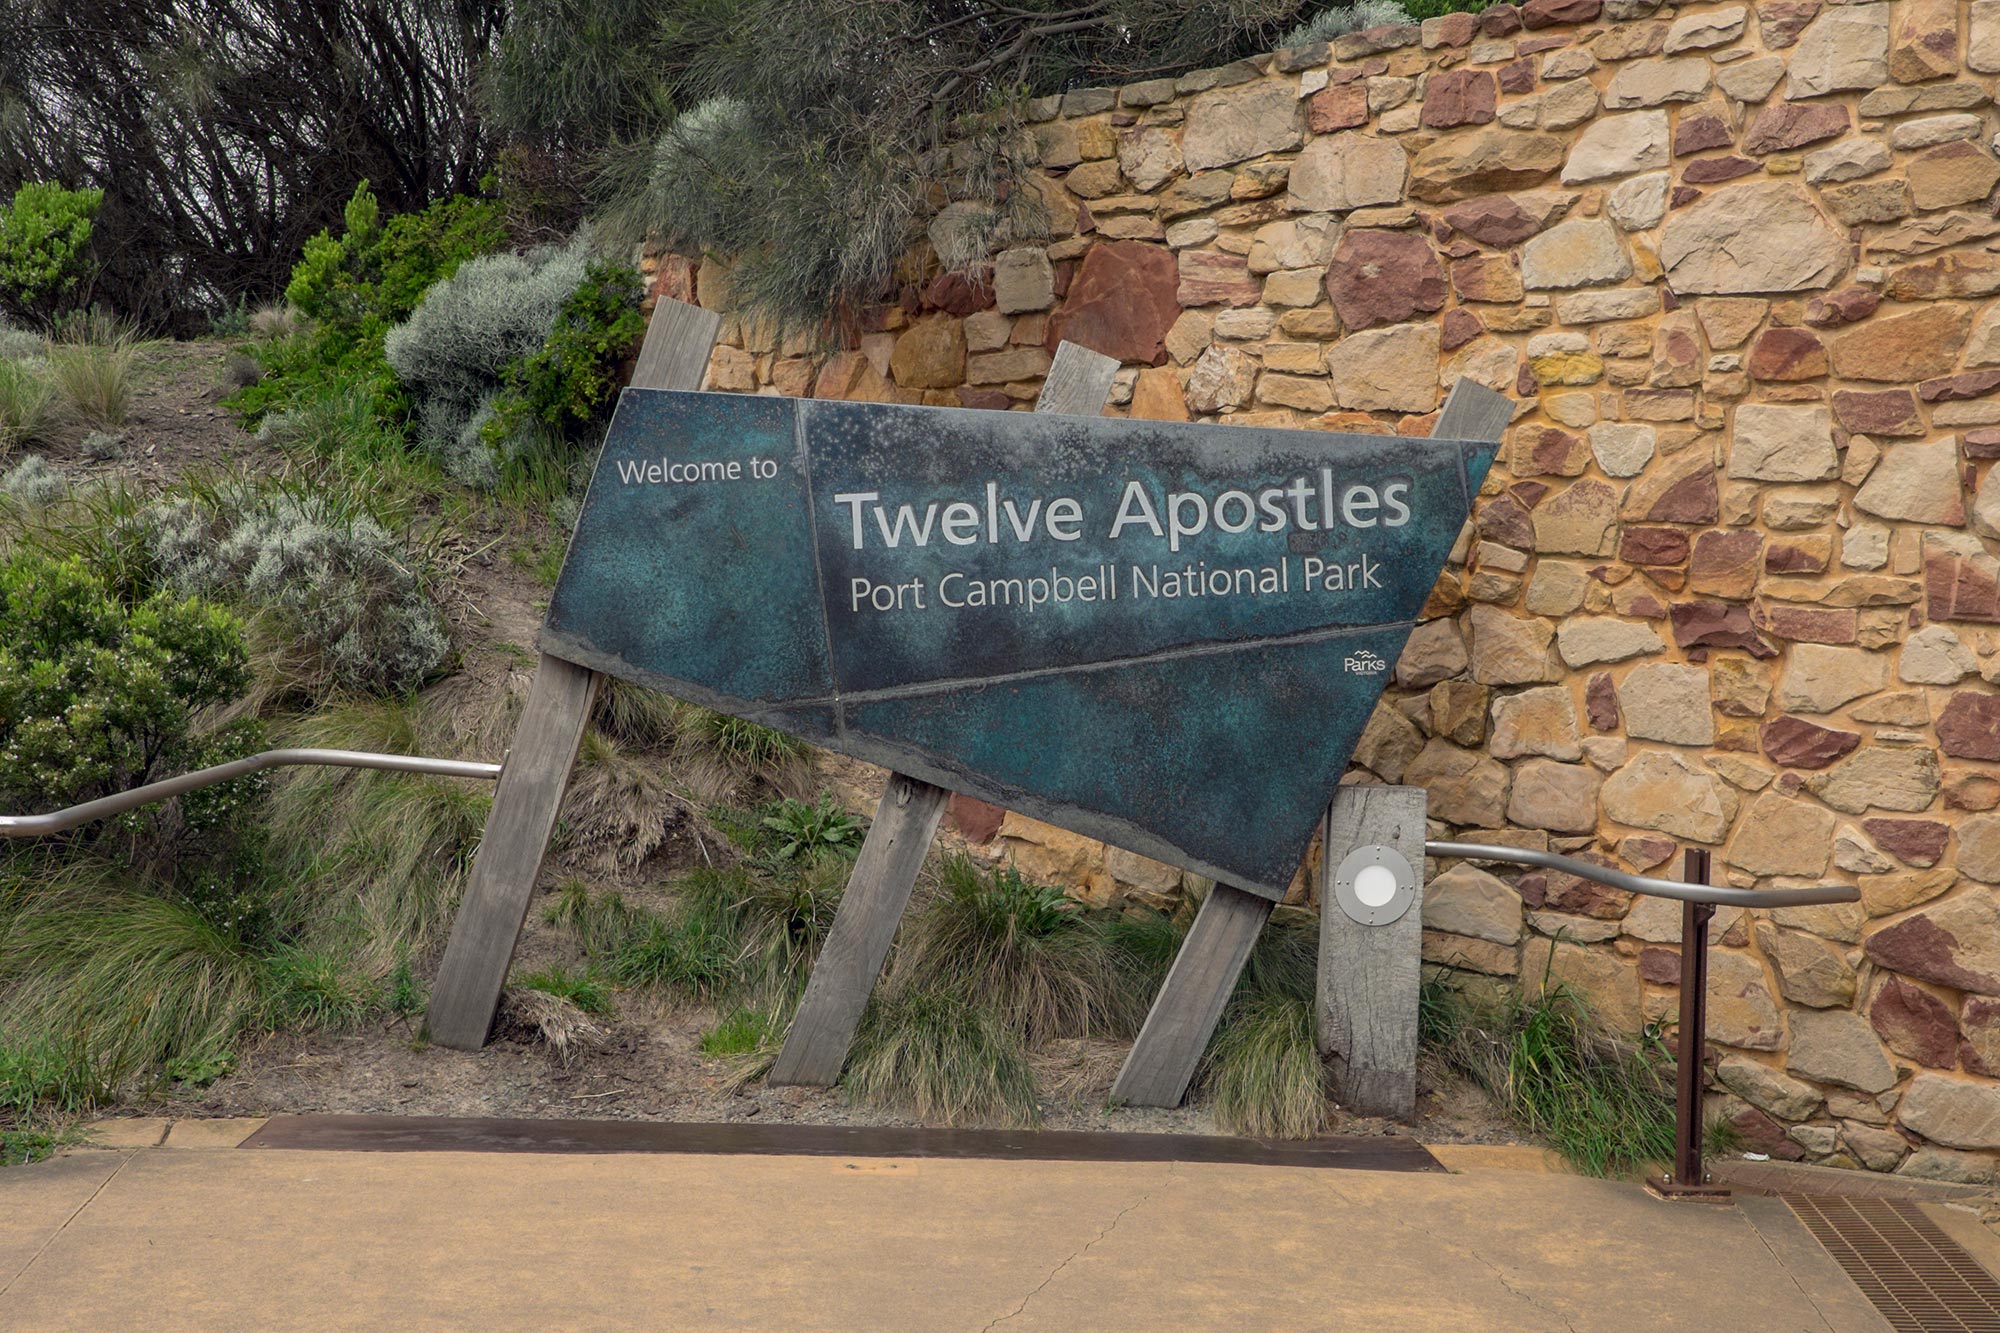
{"x": 213, "y": 1239}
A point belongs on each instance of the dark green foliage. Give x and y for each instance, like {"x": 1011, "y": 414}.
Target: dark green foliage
{"x": 23, "y": 1147}
{"x": 45, "y": 255}
{"x": 798, "y": 831}
{"x": 48, "y": 1075}
{"x": 1029, "y": 955}
{"x": 944, "y": 1059}
{"x": 311, "y": 989}
{"x": 694, "y": 951}
{"x": 583, "y": 989}
{"x": 569, "y": 382}
{"x": 1604, "y": 1102}
{"x": 97, "y": 696}
{"x": 1419, "y": 10}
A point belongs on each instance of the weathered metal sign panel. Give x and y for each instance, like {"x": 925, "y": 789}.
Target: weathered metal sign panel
{"x": 1164, "y": 635}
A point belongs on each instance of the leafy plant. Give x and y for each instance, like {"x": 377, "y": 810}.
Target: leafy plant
{"x": 45, "y": 259}
{"x": 944, "y": 1059}
{"x": 571, "y": 378}
{"x": 800, "y": 831}
{"x": 96, "y": 696}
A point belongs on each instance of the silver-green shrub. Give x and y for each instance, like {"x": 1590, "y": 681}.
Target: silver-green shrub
{"x": 341, "y": 588}
{"x": 34, "y": 481}
{"x": 450, "y": 351}
{"x": 1340, "y": 20}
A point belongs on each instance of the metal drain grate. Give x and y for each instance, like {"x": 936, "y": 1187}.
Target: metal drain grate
{"x": 1921, "y": 1280}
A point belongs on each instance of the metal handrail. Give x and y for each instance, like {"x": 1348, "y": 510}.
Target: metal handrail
{"x": 1718, "y": 895}
{"x": 58, "y": 821}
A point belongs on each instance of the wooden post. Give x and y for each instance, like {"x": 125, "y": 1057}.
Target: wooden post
{"x": 536, "y": 772}
{"x": 1190, "y": 1004}
{"x": 885, "y": 873}
{"x": 1368, "y": 975}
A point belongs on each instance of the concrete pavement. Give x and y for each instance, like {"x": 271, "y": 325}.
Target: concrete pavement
{"x": 167, "y": 1238}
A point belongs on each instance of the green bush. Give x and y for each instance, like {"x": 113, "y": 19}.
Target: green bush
{"x": 942, "y": 1058}
{"x": 96, "y": 696}
{"x": 353, "y": 290}
{"x": 568, "y": 382}
{"x": 45, "y": 263}
{"x": 351, "y": 599}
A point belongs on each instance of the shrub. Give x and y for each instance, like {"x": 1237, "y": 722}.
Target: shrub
{"x": 35, "y": 481}
{"x": 95, "y": 696}
{"x": 26, "y": 400}
{"x": 571, "y": 378}
{"x": 1345, "y": 18}
{"x": 352, "y": 598}
{"x": 104, "y": 446}
{"x": 943, "y": 1058}
{"x": 450, "y": 353}
{"x": 353, "y": 290}
{"x": 45, "y": 263}
{"x": 1028, "y": 954}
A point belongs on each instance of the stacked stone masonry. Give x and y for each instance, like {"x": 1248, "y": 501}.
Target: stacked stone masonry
{"x": 1735, "y": 580}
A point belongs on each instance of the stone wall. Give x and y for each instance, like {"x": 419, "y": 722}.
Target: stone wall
{"x": 1734, "y": 580}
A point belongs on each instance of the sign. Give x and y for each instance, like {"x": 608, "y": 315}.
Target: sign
{"x": 1164, "y": 635}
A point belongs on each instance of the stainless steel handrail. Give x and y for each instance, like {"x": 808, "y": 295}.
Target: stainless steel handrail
{"x": 1719, "y": 895}
{"x": 58, "y": 821}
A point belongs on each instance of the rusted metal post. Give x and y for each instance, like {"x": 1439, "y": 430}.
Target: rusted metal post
{"x": 1688, "y": 1180}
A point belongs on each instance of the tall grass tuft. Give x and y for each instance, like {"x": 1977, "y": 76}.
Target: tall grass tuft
{"x": 1605, "y": 1103}
{"x": 136, "y": 978}
{"x": 94, "y": 379}
{"x": 719, "y": 754}
{"x": 27, "y": 404}
{"x": 944, "y": 1059}
{"x": 1030, "y": 955}
{"x": 1263, "y": 1070}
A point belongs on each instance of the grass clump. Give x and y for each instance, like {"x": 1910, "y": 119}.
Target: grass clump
{"x": 1605, "y": 1103}
{"x": 743, "y": 1032}
{"x": 1263, "y": 1072}
{"x": 585, "y": 990}
{"x": 27, "y": 403}
{"x": 94, "y": 379}
{"x": 1028, "y": 954}
{"x": 943, "y": 1058}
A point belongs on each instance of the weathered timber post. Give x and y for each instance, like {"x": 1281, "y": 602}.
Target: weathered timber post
{"x": 906, "y": 820}
{"x": 536, "y": 771}
{"x": 1369, "y": 974}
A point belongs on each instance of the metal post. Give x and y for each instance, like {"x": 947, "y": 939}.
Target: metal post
{"x": 1689, "y": 1179}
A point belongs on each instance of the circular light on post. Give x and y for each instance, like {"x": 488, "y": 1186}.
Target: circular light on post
{"x": 1374, "y": 885}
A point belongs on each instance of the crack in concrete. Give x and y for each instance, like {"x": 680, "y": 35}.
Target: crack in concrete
{"x": 1056, "y": 1272}
{"x": 125, "y": 1160}
{"x": 1499, "y": 1275}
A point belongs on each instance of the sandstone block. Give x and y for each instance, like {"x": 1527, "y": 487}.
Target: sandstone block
{"x": 1741, "y": 1010}
{"x": 1782, "y": 836}
{"x": 1228, "y": 125}
{"x": 1882, "y": 777}
{"x": 1752, "y": 238}
{"x": 1341, "y": 172}
{"x": 1511, "y": 650}
{"x": 1952, "y": 1111}
{"x": 1555, "y": 796}
{"x": 1386, "y": 370}
{"x": 1466, "y": 788}
{"x": 1776, "y": 443}
{"x": 1535, "y": 722}
{"x": 1384, "y": 277}
{"x": 1845, "y": 47}
{"x": 1810, "y": 971}
{"x": 1489, "y": 161}
{"x": 1819, "y": 679}
{"x": 1838, "y": 1046}
{"x": 1766, "y": 1088}
{"x": 1618, "y": 146}
{"x": 1580, "y": 521}
{"x": 1915, "y": 1023}
{"x": 1660, "y": 790}
{"x": 1663, "y": 701}
{"x": 1953, "y": 943}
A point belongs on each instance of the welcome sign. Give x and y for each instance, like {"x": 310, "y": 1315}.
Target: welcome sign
{"x": 1164, "y": 635}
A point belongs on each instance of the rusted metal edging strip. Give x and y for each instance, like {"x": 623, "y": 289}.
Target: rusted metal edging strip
{"x": 58, "y": 821}
{"x": 1719, "y": 895}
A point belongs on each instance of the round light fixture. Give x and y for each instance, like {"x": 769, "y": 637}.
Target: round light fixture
{"x": 1374, "y": 885}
